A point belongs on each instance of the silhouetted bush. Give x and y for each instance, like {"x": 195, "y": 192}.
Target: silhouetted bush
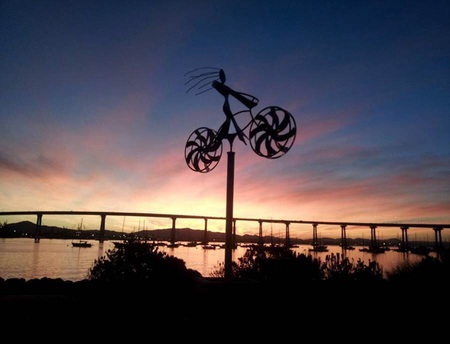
{"x": 283, "y": 265}
{"x": 274, "y": 265}
{"x": 339, "y": 269}
{"x": 430, "y": 271}
{"x": 137, "y": 262}
{"x": 43, "y": 286}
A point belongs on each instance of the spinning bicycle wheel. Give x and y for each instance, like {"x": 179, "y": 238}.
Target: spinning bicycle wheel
{"x": 272, "y": 132}
{"x": 203, "y": 150}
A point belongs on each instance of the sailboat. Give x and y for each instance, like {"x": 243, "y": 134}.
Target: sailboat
{"x": 81, "y": 243}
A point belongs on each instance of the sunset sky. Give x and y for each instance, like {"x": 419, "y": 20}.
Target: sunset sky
{"x": 95, "y": 114}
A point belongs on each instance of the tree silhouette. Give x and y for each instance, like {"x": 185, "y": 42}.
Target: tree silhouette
{"x": 141, "y": 262}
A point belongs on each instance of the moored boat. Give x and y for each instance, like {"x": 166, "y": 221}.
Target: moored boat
{"x": 81, "y": 243}
{"x": 319, "y": 248}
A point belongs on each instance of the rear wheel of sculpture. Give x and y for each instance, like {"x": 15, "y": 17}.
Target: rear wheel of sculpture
{"x": 203, "y": 150}
{"x": 272, "y": 132}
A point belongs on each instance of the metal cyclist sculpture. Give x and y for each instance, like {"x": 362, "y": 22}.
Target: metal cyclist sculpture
{"x": 271, "y": 133}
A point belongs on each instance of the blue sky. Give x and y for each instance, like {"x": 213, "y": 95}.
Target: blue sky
{"x": 95, "y": 114}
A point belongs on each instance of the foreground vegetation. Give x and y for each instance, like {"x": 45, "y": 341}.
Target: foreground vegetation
{"x": 282, "y": 265}
{"x": 266, "y": 280}
{"x": 137, "y": 263}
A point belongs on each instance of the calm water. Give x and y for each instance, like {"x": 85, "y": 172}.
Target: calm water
{"x": 56, "y": 258}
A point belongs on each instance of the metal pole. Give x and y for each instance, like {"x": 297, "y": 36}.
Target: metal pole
{"x": 229, "y": 218}
{"x": 234, "y": 243}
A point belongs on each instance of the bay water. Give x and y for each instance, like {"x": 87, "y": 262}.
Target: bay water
{"x": 56, "y": 258}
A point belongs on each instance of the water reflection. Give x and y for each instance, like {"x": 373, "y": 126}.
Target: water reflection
{"x": 35, "y": 259}
{"x": 54, "y": 258}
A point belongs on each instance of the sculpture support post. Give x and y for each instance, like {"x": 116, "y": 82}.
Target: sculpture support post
{"x": 229, "y": 218}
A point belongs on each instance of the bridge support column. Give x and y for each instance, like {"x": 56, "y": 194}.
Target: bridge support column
{"x": 373, "y": 237}
{"x": 172, "y": 232}
{"x": 260, "y": 234}
{"x": 344, "y": 236}
{"x": 315, "y": 241}
{"x": 37, "y": 230}
{"x": 205, "y": 234}
{"x": 438, "y": 239}
{"x": 288, "y": 238}
{"x": 405, "y": 243}
{"x": 101, "y": 236}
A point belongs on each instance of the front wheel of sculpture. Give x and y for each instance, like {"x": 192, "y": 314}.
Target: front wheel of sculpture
{"x": 272, "y": 132}
{"x": 203, "y": 150}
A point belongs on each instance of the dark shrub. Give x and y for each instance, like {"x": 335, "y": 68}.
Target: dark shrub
{"x": 275, "y": 264}
{"x": 340, "y": 269}
{"x": 137, "y": 263}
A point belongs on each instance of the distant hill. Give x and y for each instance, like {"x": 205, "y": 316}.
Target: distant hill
{"x": 27, "y": 229}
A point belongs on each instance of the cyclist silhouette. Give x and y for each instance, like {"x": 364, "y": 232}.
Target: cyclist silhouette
{"x": 271, "y": 132}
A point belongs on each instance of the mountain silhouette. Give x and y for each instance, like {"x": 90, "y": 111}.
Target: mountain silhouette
{"x": 27, "y": 229}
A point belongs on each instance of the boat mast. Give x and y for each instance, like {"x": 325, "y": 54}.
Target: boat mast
{"x": 271, "y": 233}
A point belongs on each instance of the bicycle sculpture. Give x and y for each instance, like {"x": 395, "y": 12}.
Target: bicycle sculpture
{"x": 271, "y": 132}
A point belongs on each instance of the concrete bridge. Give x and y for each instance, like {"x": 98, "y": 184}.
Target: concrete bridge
{"x": 404, "y": 227}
